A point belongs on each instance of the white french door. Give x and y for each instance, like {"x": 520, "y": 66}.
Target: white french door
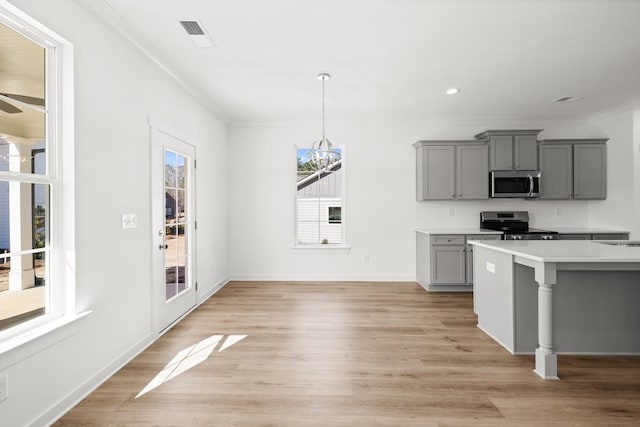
{"x": 173, "y": 231}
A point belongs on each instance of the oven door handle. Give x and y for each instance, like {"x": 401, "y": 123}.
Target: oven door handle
{"x": 530, "y": 185}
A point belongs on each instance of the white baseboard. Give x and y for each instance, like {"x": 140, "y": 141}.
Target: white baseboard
{"x": 65, "y": 404}
{"x": 211, "y": 292}
{"x": 316, "y": 278}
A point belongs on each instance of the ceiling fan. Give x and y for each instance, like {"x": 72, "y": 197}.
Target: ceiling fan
{"x": 7, "y": 101}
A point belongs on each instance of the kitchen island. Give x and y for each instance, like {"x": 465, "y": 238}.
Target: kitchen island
{"x": 550, "y": 297}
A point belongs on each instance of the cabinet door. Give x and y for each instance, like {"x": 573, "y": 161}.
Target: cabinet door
{"x": 438, "y": 173}
{"x": 472, "y": 167}
{"x": 556, "y": 168}
{"x": 448, "y": 264}
{"x": 501, "y": 152}
{"x": 469, "y": 254}
{"x": 589, "y": 171}
{"x": 526, "y": 152}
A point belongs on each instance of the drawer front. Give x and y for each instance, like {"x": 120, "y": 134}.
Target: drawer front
{"x": 610, "y": 237}
{"x": 484, "y": 237}
{"x": 448, "y": 240}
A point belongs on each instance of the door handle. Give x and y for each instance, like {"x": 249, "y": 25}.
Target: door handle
{"x": 161, "y": 246}
{"x": 530, "y": 185}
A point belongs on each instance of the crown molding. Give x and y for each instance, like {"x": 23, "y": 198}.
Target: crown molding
{"x": 114, "y": 20}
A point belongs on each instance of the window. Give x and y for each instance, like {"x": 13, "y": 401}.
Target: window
{"x": 33, "y": 285}
{"x": 319, "y": 202}
{"x": 335, "y": 214}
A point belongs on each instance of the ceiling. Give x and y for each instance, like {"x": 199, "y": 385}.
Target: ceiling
{"x": 393, "y": 58}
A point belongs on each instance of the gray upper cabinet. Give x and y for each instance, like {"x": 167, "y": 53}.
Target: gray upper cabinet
{"x": 573, "y": 169}
{"x": 525, "y": 152}
{"x": 436, "y": 179}
{"x": 501, "y": 152}
{"x": 472, "y": 172}
{"x": 589, "y": 171}
{"x": 556, "y": 171}
{"x": 450, "y": 170}
{"x": 512, "y": 149}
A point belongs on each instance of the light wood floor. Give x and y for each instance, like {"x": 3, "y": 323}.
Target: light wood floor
{"x": 327, "y": 354}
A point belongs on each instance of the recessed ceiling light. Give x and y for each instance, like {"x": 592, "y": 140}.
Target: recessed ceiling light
{"x": 453, "y": 91}
{"x": 568, "y": 99}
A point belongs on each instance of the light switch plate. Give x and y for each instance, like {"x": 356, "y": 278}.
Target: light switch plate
{"x": 129, "y": 221}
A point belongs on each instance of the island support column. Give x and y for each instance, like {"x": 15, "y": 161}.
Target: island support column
{"x": 546, "y": 357}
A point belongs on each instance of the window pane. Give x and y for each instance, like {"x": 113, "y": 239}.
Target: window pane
{"x": 18, "y": 154}
{"x": 24, "y": 216}
{"x": 24, "y": 226}
{"x": 22, "y": 85}
{"x": 318, "y": 201}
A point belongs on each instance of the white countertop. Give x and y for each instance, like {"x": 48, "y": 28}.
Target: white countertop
{"x": 465, "y": 230}
{"x": 561, "y": 230}
{"x": 564, "y": 250}
{"x": 574, "y": 230}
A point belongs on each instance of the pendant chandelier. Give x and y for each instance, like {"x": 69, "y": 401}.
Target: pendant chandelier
{"x": 322, "y": 154}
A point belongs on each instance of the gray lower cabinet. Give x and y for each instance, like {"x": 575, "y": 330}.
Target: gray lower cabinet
{"x": 612, "y": 236}
{"x": 573, "y": 169}
{"x": 445, "y": 262}
{"x": 574, "y": 236}
{"x": 449, "y": 264}
{"x": 593, "y": 236}
{"x": 451, "y": 170}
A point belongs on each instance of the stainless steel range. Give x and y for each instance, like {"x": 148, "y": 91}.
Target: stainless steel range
{"x": 515, "y": 226}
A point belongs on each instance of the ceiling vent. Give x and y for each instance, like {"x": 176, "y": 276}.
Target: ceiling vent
{"x": 567, "y": 99}
{"x": 197, "y": 33}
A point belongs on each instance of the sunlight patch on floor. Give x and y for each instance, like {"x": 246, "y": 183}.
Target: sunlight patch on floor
{"x": 189, "y": 357}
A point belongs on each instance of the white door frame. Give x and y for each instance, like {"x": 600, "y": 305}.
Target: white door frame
{"x": 166, "y": 313}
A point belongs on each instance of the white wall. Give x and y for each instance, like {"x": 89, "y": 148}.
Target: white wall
{"x": 116, "y": 89}
{"x": 617, "y": 211}
{"x": 381, "y": 213}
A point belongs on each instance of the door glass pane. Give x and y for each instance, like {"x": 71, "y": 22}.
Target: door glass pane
{"x": 170, "y": 169}
{"x": 181, "y": 171}
{"x": 182, "y": 275}
{"x": 176, "y": 223}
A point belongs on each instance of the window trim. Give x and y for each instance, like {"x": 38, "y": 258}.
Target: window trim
{"x": 342, "y": 247}
{"x": 59, "y": 175}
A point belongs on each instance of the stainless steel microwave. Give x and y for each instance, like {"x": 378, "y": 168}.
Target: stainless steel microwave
{"x": 514, "y": 184}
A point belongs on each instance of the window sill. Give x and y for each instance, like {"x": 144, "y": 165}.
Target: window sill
{"x": 321, "y": 249}
{"x": 23, "y": 345}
